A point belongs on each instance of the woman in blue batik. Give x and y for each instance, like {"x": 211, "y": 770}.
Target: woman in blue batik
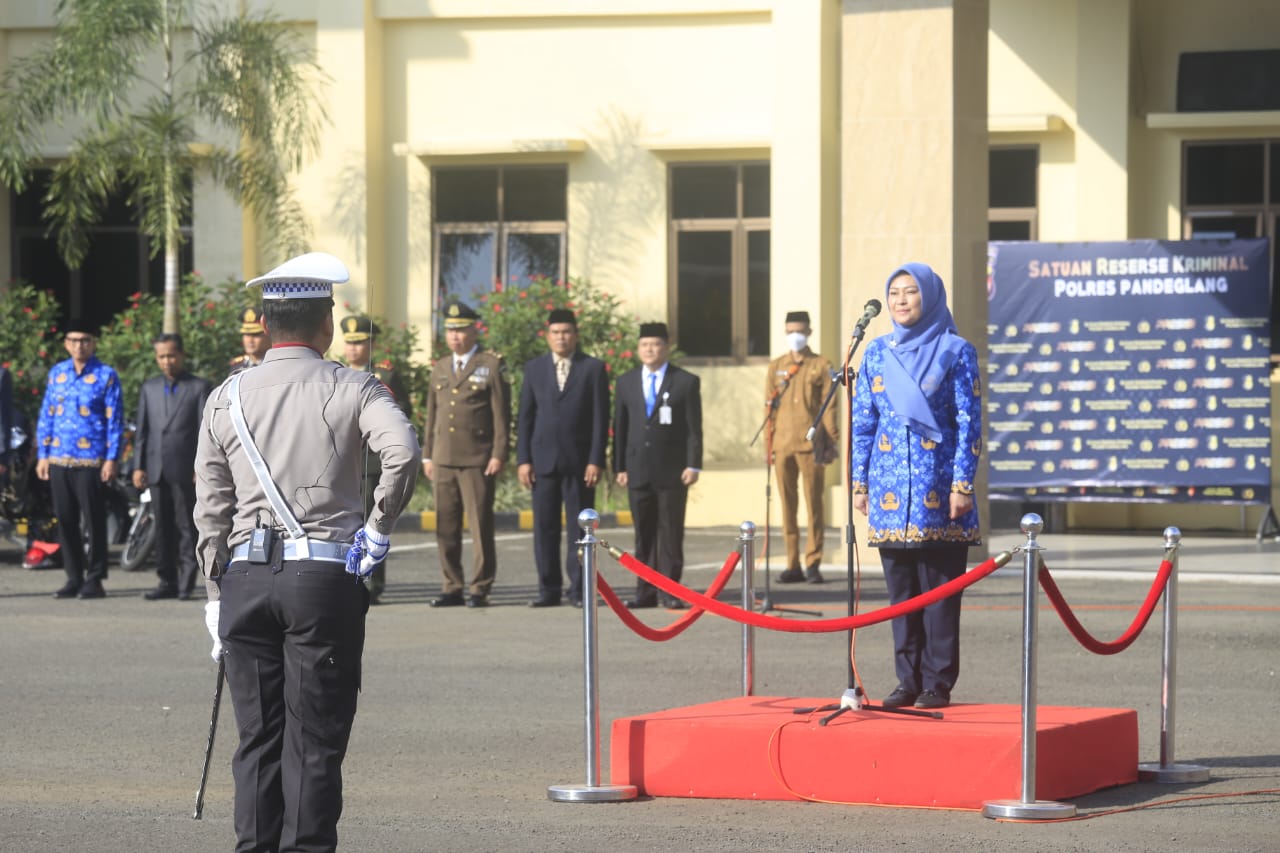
{"x": 917, "y": 437}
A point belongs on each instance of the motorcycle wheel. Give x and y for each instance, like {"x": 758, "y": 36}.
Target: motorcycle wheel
{"x": 141, "y": 539}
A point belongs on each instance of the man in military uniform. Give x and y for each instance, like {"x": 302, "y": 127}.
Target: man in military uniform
{"x": 794, "y": 389}
{"x": 253, "y": 338}
{"x": 464, "y": 446}
{"x": 78, "y": 438}
{"x": 283, "y": 543}
{"x": 358, "y": 334}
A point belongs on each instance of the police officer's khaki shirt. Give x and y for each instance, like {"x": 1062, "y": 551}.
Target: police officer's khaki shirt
{"x": 800, "y": 400}
{"x": 309, "y": 418}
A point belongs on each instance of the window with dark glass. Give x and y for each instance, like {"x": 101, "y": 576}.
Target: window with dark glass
{"x": 118, "y": 263}
{"x": 720, "y": 270}
{"x": 1011, "y": 189}
{"x": 1231, "y": 189}
{"x": 497, "y": 224}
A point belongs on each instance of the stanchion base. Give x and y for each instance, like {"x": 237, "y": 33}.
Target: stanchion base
{"x": 1018, "y": 810}
{"x": 1154, "y": 771}
{"x": 591, "y": 793}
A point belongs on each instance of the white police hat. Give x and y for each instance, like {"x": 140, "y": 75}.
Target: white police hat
{"x": 309, "y": 276}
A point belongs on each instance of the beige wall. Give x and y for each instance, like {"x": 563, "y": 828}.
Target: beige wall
{"x": 874, "y": 159}
{"x": 1107, "y": 173}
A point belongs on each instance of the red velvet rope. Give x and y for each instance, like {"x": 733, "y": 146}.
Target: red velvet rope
{"x": 818, "y": 626}
{"x": 676, "y": 628}
{"x": 1083, "y": 636}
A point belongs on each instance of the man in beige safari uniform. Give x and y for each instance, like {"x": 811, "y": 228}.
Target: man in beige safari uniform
{"x": 794, "y": 389}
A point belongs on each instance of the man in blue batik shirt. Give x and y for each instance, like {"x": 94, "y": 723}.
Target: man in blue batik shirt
{"x": 79, "y": 438}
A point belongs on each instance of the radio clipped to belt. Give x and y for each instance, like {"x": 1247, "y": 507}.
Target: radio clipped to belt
{"x": 261, "y": 543}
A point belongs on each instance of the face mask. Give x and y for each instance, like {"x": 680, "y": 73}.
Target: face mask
{"x": 797, "y": 341}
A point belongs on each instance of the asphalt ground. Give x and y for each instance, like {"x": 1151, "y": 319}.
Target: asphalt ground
{"x": 467, "y": 716}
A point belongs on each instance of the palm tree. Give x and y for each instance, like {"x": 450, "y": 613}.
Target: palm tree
{"x": 244, "y": 77}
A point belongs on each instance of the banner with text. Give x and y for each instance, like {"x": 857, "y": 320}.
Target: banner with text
{"x": 1129, "y": 371}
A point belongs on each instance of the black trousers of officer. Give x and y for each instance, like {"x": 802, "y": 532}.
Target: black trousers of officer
{"x": 173, "y": 504}
{"x": 658, "y": 514}
{"x": 550, "y": 492}
{"x": 77, "y": 493}
{"x": 926, "y": 643}
{"x": 294, "y": 635}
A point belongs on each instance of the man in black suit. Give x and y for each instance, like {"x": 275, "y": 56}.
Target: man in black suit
{"x": 657, "y": 454}
{"x": 170, "y": 407}
{"x": 561, "y": 434}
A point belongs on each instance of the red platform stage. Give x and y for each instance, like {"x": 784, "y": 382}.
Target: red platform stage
{"x": 755, "y": 748}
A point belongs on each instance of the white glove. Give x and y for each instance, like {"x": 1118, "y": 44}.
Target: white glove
{"x": 376, "y": 546}
{"x": 211, "y": 611}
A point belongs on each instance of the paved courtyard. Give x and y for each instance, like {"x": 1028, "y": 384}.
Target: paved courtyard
{"x": 467, "y": 716}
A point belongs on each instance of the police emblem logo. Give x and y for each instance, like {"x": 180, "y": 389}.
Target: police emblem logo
{"x": 454, "y": 311}
{"x": 249, "y": 316}
{"x": 350, "y": 324}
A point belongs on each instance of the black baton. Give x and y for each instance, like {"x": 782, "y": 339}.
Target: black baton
{"x": 213, "y": 730}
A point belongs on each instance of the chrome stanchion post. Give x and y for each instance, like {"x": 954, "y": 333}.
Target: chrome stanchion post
{"x": 1167, "y": 770}
{"x": 747, "y": 540}
{"x": 593, "y": 791}
{"x": 1029, "y": 808}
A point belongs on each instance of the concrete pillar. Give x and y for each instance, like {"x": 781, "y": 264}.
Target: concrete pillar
{"x": 1102, "y": 119}
{"x": 805, "y": 164}
{"x": 346, "y": 201}
{"x": 914, "y": 155}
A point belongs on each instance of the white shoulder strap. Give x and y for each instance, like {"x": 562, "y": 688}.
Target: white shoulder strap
{"x": 277, "y": 501}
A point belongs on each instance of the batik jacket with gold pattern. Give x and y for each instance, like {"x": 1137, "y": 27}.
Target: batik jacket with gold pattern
{"x": 907, "y": 477}
{"x": 81, "y": 423}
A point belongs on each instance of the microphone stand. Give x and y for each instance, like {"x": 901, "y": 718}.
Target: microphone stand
{"x": 766, "y": 603}
{"x": 852, "y": 699}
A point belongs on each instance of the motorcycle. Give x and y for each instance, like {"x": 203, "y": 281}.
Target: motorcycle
{"x": 141, "y": 538}
{"x": 26, "y": 499}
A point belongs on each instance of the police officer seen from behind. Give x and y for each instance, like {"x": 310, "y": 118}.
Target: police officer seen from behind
{"x": 284, "y": 543}
{"x": 253, "y": 338}
{"x": 464, "y": 446}
{"x": 794, "y": 389}
{"x": 78, "y": 439}
{"x": 358, "y": 334}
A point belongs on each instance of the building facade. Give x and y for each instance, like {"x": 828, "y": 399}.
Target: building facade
{"x": 719, "y": 163}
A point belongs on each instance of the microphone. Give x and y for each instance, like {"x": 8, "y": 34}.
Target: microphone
{"x": 869, "y": 312}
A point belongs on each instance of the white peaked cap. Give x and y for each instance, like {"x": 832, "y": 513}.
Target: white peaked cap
{"x": 309, "y": 276}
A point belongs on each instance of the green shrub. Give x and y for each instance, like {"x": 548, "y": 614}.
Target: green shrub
{"x": 30, "y": 342}
{"x": 210, "y": 322}
{"x": 513, "y": 323}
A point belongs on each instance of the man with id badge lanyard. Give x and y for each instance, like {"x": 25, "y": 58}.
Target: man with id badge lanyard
{"x": 657, "y": 456}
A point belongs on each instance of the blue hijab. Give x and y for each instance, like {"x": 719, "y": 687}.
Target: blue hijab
{"x": 919, "y": 356}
